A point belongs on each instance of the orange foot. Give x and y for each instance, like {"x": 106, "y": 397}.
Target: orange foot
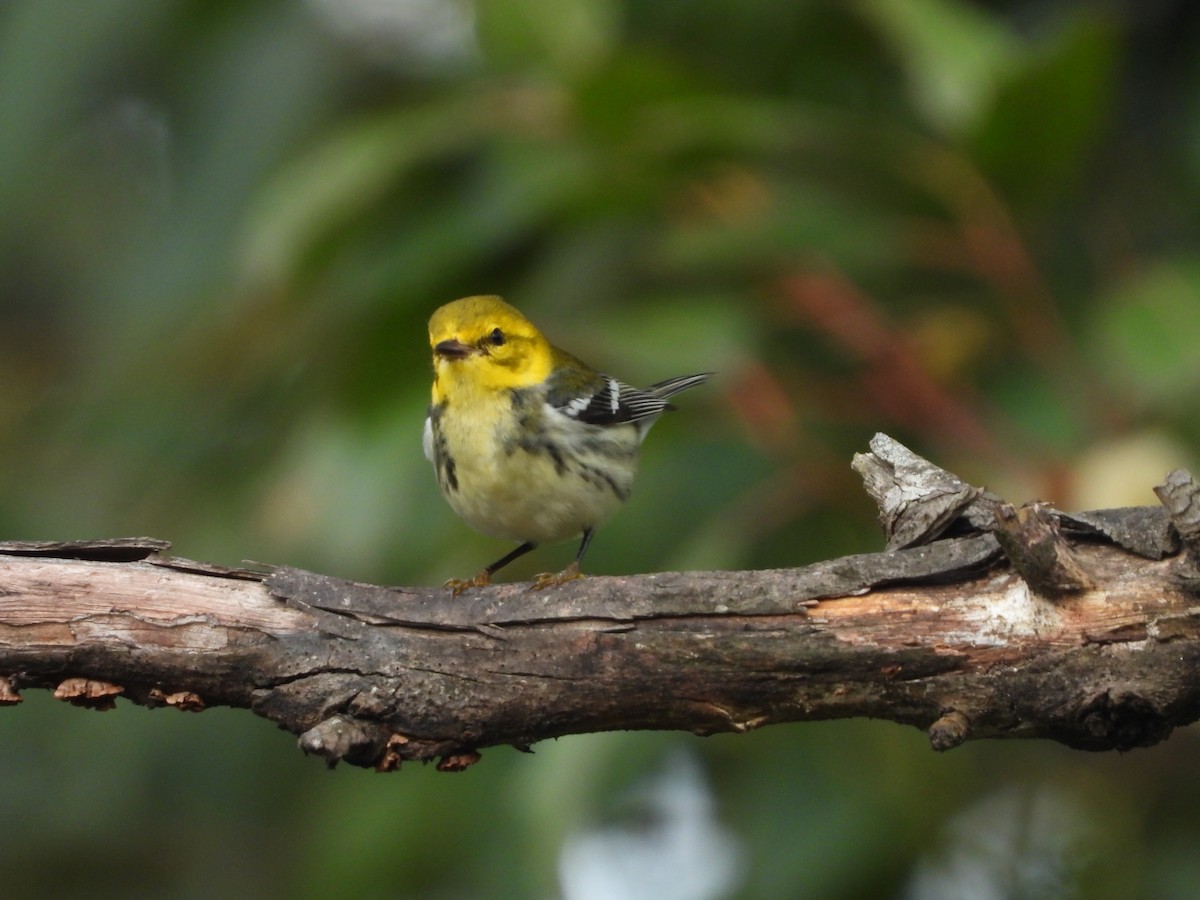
{"x": 552, "y": 579}
{"x": 458, "y": 585}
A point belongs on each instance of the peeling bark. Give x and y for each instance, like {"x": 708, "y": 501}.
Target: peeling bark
{"x": 984, "y": 622}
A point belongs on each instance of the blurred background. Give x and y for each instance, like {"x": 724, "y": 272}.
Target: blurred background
{"x": 223, "y": 225}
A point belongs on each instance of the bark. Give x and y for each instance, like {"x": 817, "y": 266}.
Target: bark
{"x": 980, "y": 620}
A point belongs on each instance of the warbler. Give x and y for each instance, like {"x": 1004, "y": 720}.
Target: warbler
{"x": 529, "y": 443}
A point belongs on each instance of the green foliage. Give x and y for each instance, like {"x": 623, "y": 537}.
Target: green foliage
{"x": 223, "y": 226}
{"x": 956, "y": 56}
{"x": 1148, "y": 328}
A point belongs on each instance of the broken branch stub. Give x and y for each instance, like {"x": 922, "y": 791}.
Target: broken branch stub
{"x": 1036, "y": 548}
{"x": 917, "y": 500}
{"x": 1180, "y": 496}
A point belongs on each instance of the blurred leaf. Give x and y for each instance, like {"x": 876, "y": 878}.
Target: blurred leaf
{"x": 1147, "y": 330}
{"x": 955, "y": 55}
{"x": 1037, "y": 135}
{"x": 1045, "y": 415}
{"x": 342, "y": 176}
{"x": 566, "y": 37}
{"x": 794, "y": 219}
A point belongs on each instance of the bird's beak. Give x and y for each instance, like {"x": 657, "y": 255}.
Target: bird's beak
{"x": 453, "y": 349}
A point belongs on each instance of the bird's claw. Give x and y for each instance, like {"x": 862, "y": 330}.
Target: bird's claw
{"x": 553, "y": 579}
{"x": 458, "y": 585}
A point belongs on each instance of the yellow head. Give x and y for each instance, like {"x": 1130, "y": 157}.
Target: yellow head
{"x": 481, "y": 344}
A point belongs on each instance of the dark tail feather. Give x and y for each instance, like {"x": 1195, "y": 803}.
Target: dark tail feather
{"x": 673, "y": 386}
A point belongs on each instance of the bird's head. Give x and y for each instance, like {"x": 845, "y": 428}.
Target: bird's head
{"x": 482, "y": 343}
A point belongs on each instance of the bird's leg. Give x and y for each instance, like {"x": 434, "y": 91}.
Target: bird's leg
{"x": 570, "y": 573}
{"x": 484, "y": 576}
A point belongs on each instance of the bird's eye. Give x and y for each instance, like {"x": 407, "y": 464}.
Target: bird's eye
{"x": 496, "y": 337}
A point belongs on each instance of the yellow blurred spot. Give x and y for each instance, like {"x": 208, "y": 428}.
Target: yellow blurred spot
{"x": 950, "y": 340}
{"x": 1124, "y": 470}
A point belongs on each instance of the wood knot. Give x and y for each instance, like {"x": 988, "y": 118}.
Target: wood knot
{"x": 950, "y": 730}
{"x": 359, "y": 742}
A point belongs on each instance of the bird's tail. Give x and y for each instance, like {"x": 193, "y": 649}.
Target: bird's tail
{"x": 673, "y": 386}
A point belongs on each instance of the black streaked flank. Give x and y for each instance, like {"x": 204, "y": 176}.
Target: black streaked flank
{"x": 560, "y": 464}
{"x": 447, "y": 473}
{"x": 600, "y": 478}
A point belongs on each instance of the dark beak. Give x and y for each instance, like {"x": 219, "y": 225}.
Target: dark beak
{"x": 453, "y": 349}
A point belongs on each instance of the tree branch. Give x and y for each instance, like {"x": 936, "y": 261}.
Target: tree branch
{"x": 983, "y": 622}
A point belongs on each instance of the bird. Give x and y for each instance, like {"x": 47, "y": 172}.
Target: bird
{"x": 529, "y": 444}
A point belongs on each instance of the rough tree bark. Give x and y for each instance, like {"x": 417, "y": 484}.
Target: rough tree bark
{"x": 979, "y": 620}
